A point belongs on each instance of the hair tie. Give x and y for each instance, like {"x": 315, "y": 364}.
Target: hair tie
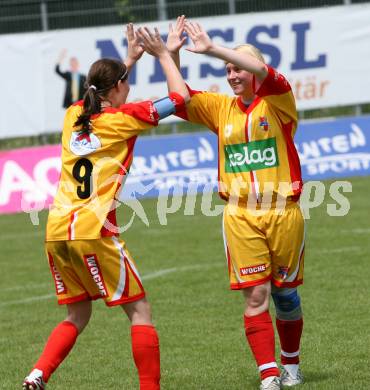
{"x": 93, "y": 87}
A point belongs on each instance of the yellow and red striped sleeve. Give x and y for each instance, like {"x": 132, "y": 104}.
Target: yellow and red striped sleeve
{"x": 128, "y": 120}
{"x": 131, "y": 118}
{"x": 276, "y": 91}
{"x": 204, "y": 108}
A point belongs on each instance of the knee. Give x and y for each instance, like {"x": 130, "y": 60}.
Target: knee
{"x": 287, "y": 303}
{"x": 139, "y": 312}
{"x": 79, "y": 322}
{"x": 257, "y": 299}
{"x": 79, "y": 316}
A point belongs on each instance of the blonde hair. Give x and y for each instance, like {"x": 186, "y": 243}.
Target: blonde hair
{"x": 251, "y": 50}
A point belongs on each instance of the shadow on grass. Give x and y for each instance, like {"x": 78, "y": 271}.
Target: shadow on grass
{"x": 311, "y": 377}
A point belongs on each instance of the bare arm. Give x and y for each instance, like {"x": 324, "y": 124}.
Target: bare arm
{"x": 134, "y": 49}
{"x": 61, "y": 57}
{"x": 175, "y": 40}
{"x": 155, "y": 46}
{"x": 203, "y": 44}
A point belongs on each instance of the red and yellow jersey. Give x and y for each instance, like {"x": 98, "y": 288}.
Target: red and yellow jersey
{"x": 256, "y": 149}
{"x": 93, "y": 168}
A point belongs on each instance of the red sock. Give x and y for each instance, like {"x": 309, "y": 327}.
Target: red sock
{"x": 290, "y": 336}
{"x": 260, "y": 336}
{"x": 59, "y": 344}
{"x": 145, "y": 349}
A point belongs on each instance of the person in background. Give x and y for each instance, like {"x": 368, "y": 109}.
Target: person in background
{"x": 75, "y": 81}
{"x": 86, "y": 257}
{"x": 260, "y": 179}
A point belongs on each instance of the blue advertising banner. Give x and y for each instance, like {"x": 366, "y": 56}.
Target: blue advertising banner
{"x": 185, "y": 164}
{"x": 328, "y": 149}
{"x": 335, "y": 148}
{"x": 172, "y": 164}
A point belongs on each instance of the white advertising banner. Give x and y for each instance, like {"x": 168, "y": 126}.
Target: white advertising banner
{"x": 323, "y": 52}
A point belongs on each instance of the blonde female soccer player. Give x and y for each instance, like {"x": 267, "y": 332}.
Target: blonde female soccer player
{"x": 260, "y": 179}
{"x": 86, "y": 257}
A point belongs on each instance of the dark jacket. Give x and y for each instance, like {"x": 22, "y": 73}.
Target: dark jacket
{"x": 67, "y": 76}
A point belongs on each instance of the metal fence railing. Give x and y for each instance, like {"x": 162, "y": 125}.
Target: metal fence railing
{"x": 41, "y": 15}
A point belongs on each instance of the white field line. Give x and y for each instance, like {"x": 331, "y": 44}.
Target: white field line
{"x": 153, "y": 275}
{"x": 26, "y": 287}
{"x": 160, "y": 273}
{"x": 356, "y": 231}
{"x": 163, "y": 272}
{"x": 38, "y": 233}
{"x": 27, "y": 300}
{"x": 356, "y": 248}
{"x": 13, "y": 236}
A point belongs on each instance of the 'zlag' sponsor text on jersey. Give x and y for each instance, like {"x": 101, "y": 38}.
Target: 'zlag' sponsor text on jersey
{"x": 255, "y": 143}
{"x": 94, "y": 166}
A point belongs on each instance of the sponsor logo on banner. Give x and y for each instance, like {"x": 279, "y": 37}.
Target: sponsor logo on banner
{"x": 92, "y": 264}
{"x": 254, "y": 269}
{"x": 173, "y": 162}
{"x": 335, "y": 149}
{"x": 251, "y": 156}
{"x": 295, "y": 43}
{"x": 188, "y": 163}
{"x": 82, "y": 144}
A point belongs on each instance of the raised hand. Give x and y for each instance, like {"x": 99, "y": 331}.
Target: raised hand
{"x": 175, "y": 40}
{"x": 134, "y": 49}
{"x": 152, "y": 43}
{"x": 62, "y": 56}
{"x": 201, "y": 40}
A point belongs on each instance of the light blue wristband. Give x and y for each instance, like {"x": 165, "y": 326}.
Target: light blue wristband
{"x": 164, "y": 107}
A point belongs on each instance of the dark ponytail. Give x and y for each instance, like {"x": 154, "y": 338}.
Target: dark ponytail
{"x": 103, "y": 75}
{"x": 92, "y": 105}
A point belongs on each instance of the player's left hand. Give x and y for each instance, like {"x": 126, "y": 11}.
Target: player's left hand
{"x": 175, "y": 40}
{"x": 151, "y": 42}
{"x": 134, "y": 48}
{"x": 201, "y": 40}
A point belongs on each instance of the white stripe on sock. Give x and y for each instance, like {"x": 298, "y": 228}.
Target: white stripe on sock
{"x": 290, "y": 354}
{"x": 265, "y": 366}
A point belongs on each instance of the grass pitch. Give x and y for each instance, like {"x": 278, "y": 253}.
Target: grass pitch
{"x": 199, "y": 320}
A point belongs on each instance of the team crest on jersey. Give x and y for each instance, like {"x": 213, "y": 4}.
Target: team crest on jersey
{"x": 82, "y": 143}
{"x": 228, "y": 130}
{"x": 264, "y": 125}
{"x": 283, "y": 272}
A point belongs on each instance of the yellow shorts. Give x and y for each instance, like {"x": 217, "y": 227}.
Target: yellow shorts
{"x": 264, "y": 247}
{"x": 92, "y": 269}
